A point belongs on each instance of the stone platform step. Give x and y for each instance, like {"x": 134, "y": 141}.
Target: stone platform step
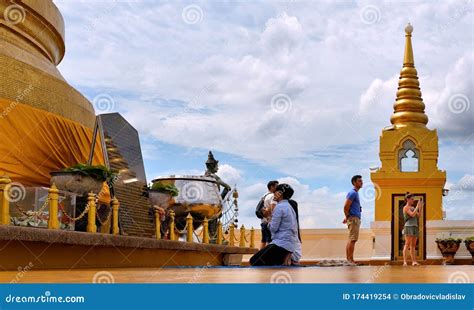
{"x": 60, "y": 249}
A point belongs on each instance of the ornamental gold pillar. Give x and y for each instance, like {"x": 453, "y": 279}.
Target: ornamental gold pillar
{"x": 189, "y": 228}
{"x": 4, "y": 201}
{"x": 231, "y": 235}
{"x": 252, "y": 238}
{"x": 157, "y": 224}
{"x": 242, "y": 237}
{"x": 171, "y": 229}
{"x": 205, "y": 231}
{"x": 219, "y": 232}
{"x": 115, "y": 215}
{"x": 91, "y": 226}
{"x": 53, "y": 197}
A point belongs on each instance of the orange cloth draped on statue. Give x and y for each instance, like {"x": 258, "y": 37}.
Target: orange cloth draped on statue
{"x": 34, "y": 143}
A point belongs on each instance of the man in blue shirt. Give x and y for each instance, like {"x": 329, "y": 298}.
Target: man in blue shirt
{"x": 352, "y": 213}
{"x": 284, "y": 229}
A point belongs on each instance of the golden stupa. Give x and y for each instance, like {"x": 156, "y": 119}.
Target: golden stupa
{"x": 409, "y": 158}
{"x": 45, "y": 124}
{"x": 409, "y": 108}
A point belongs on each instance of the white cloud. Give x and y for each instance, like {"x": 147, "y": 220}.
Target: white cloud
{"x": 318, "y": 207}
{"x": 454, "y": 110}
{"x": 459, "y": 204}
{"x": 379, "y": 98}
{"x": 319, "y": 61}
{"x": 448, "y": 100}
{"x": 229, "y": 174}
{"x": 323, "y": 208}
{"x": 210, "y": 85}
{"x": 282, "y": 35}
{"x": 150, "y": 151}
{"x": 461, "y": 190}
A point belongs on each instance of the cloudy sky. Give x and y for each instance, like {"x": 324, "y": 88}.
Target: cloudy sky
{"x": 294, "y": 90}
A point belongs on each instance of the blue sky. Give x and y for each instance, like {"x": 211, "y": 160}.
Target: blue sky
{"x": 292, "y": 90}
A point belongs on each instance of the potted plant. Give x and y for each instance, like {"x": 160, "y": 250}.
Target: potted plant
{"x": 448, "y": 248}
{"x": 82, "y": 178}
{"x": 160, "y": 194}
{"x": 469, "y": 242}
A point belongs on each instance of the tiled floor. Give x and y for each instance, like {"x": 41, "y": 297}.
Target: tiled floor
{"x": 360, "y": 274}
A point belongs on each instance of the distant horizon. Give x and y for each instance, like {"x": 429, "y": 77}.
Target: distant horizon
{"x": 294, "y": 91}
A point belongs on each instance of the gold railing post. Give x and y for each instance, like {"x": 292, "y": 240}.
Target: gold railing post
{"x": 157, "y": 224}
{"x": 4, "y": 201}
{"x": 231, "y": 235}
{"x": 205, "y": 231}
{"x": 242, "y": 237}
{"x": 53, "y": 197}
{"x": 171, "y": 229}
{"x": 219, "y": 232}
{"x": 91, "y": 226}
{"x": 252, "y": 238}
{"x": 189, "y": 228}
{"x": 115, "y": 215}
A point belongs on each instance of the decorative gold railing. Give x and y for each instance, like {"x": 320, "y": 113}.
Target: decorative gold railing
{"x": 244, "y": 237}
{"x": 52, "y": 203}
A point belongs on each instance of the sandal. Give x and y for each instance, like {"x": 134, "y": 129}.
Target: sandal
{"x": 415, "y": 264}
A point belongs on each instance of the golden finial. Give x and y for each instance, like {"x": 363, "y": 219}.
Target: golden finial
{"x": 409, "y": 108}
{"x": 408, "y": 59}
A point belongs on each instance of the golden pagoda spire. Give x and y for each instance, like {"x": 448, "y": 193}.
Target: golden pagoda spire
{"x": 409, "y": 108}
